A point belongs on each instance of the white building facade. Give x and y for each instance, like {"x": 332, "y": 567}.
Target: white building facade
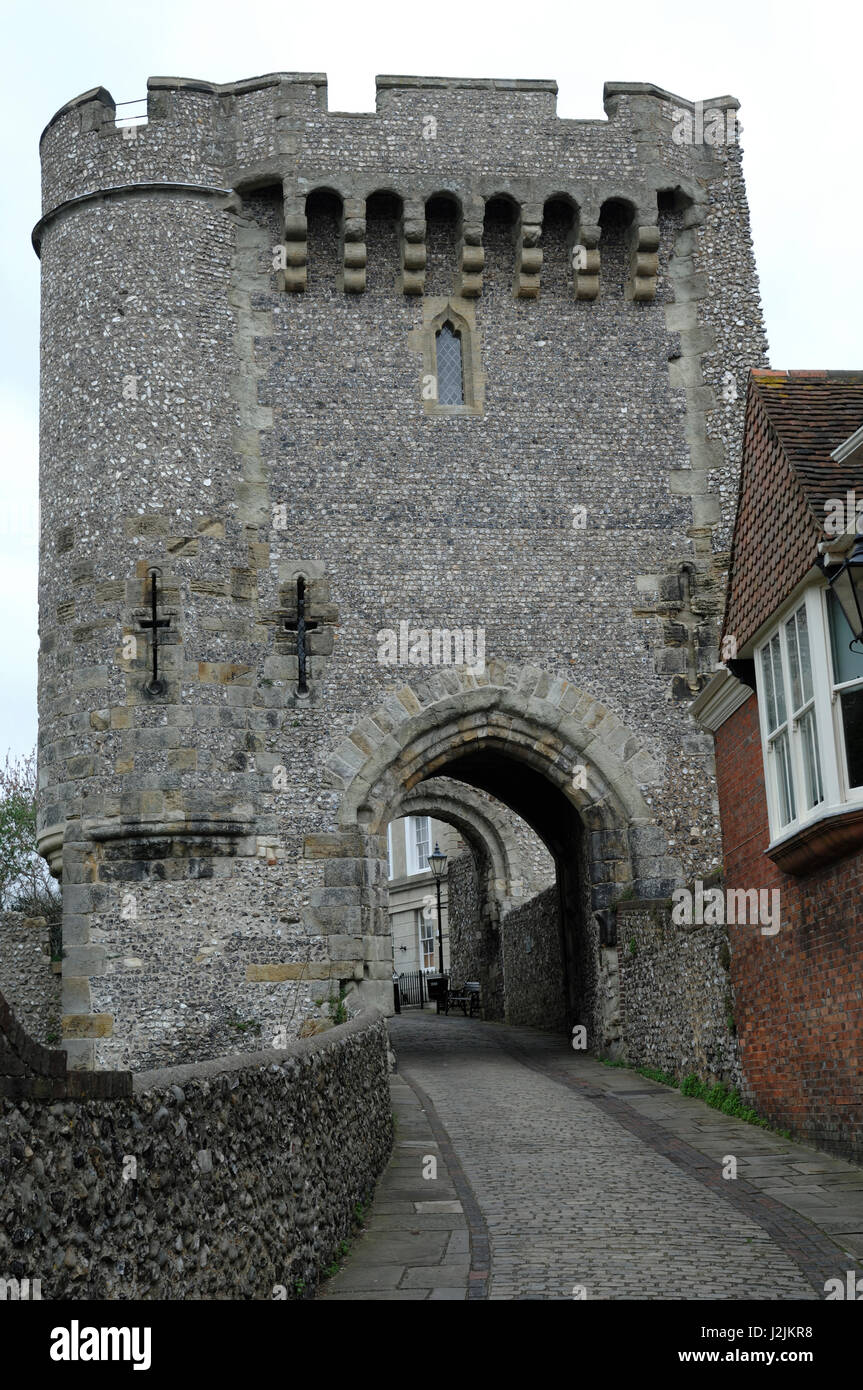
{"x": 413, "y": 898}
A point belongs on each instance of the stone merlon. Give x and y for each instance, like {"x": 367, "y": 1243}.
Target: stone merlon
{"x": 216, "y": 137}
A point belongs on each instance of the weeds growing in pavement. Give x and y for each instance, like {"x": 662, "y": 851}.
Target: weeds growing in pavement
{"x": 719, "y": 1096}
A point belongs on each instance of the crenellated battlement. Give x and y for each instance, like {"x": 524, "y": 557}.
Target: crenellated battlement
{"x": 472, "y": 139}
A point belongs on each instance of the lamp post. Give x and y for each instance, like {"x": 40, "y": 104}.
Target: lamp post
{"x": 847, "y": 585}
{"x": 437, "y": 864}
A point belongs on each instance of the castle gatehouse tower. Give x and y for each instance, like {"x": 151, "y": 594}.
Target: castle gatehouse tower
{"x": 376, "y": 449}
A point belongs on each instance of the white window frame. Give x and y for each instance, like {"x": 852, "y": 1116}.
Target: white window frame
{"x": 837, "y": 795}
{"x": 412, "y": 858}
{"x": 429, "y": 921}
{"x": 853, "y": 795}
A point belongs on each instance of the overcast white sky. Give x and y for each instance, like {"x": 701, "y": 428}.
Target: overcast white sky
{"x": 794, "y": 67}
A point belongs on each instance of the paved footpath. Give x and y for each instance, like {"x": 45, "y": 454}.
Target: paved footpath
{"x": 555, "y": 1177}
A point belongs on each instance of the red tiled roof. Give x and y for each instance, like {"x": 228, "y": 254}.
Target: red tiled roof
{"x": 794, "y": 421}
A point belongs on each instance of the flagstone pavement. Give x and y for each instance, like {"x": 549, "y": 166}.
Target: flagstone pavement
{"x": 524, "y": 1170}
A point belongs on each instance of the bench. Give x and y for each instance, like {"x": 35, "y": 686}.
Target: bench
{"x": 467, "y": 997}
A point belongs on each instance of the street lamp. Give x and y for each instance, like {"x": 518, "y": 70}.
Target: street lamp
{"x": 847, "y": 585}
{"x": 437, "y": 864}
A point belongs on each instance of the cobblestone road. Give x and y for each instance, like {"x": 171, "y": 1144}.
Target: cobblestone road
{"x": 590, "y": 1178}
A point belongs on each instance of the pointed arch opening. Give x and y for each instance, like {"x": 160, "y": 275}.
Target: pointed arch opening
{"x": 578, "y": 790}
{"x": 452, "y": 380}
{"x": 449, "y": 363}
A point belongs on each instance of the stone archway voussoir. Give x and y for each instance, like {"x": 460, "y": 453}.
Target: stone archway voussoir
{"x": 421, "y": 728}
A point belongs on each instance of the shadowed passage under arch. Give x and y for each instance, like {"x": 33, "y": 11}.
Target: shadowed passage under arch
{"x": 555, "y": 757}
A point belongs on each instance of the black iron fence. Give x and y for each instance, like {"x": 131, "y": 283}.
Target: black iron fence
{"x": 412, "y": 989}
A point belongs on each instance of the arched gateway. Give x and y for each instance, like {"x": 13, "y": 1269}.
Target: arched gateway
{"x": 550, "y": 753}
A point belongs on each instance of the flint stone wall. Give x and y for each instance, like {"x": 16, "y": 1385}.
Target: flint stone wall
{"x": 465, "y": 928}
{"x": 676, "y": 998}
{"x": 248, "y": 1173}
{"x": 532, "y": 963}
{"x": 26, "y": 978}
{"x": 534, "y": 860}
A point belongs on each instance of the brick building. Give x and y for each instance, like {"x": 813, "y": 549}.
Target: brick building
{"x": 787, "y": 716}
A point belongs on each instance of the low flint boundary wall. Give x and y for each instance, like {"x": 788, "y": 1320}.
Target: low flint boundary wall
{"x": 236, "y": 1178}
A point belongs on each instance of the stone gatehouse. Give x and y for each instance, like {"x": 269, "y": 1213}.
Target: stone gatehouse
{"x": 326, "y": 396}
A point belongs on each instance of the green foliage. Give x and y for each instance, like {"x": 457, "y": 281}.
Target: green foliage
{"x": 25, "y": 882}
{"x": 654, "y": 1074}
{"x": 633, "y": 946}
{"x": 248, "y": 1025}
{"x": 723, "y": 1097}
{"x": 719, "y": 1096}
{"x": 344, "y": 1246}
{"x": 335, "y": 1266}
{"x": 716, "y": 1095}
{"x": 338, "y": 1008}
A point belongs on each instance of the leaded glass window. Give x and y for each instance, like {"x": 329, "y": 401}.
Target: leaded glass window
{"x": 450, "y": 375}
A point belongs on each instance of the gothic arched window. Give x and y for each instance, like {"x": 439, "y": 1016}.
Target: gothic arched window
{"x": 452, "y": 380}
{"x": 450, "y": 373}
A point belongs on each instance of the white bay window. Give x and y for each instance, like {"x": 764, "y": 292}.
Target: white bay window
{"x": 847, "y": 675}
{"x": 810, "y": 698}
